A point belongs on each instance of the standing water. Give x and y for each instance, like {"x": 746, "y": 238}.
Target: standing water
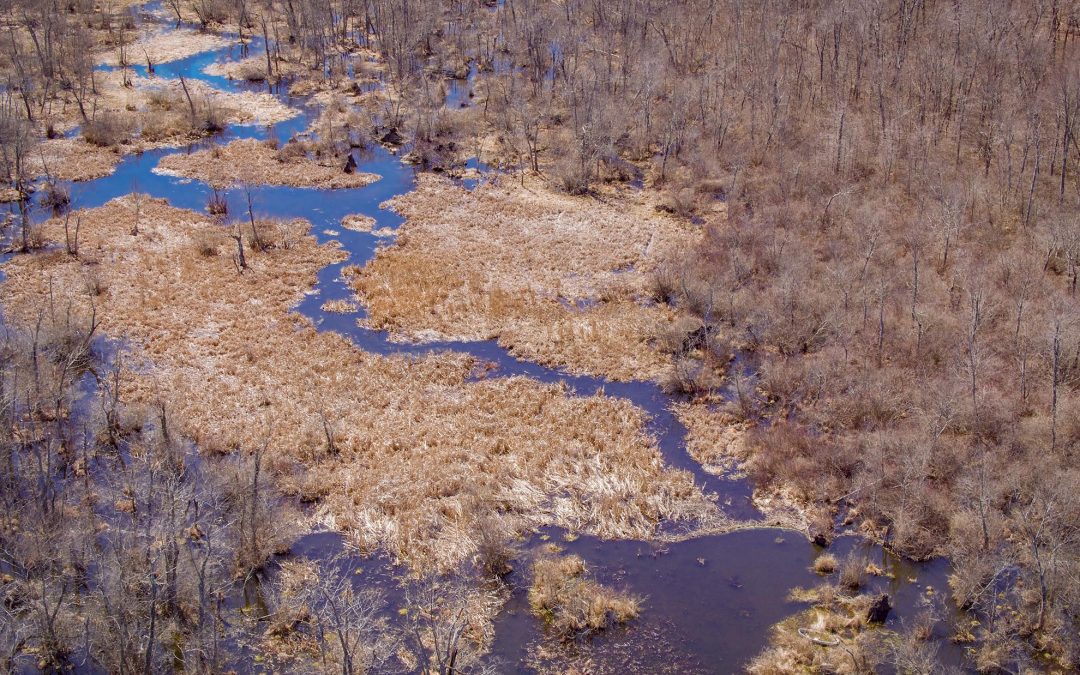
{"x": 708, "y": 601}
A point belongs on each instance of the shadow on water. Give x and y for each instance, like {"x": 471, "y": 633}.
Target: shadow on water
{"x": 709, "y": 600}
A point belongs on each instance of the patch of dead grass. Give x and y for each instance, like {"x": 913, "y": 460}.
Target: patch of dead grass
{"x": 255, "y": 162}
{"x": 717, "y": 441}
{"x": 73, "y": 159}
{"x": 556, "y": 279}
{"x": 403, "y": 453}
{"x": 340, "y": 306}
{"x": 358, "y": 222}
{"x": 163, "y": 45}
{"x": 157, "y": 113}
{"x": 253, "y": 68}
{"x": 570, "y": 603}
{"x": 835, "y": 617}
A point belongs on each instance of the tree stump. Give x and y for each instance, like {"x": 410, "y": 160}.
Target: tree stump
{"x": 879, "y": 611}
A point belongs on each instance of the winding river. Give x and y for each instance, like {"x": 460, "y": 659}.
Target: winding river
{"x": 709, "y": 601}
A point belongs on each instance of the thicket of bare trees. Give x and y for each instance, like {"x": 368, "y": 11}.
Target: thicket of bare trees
{"x": 125, "y": 549}
{"x": 889, "y": 195}
{"x": 889, "y": 191}
{"x": 898, "y": 250}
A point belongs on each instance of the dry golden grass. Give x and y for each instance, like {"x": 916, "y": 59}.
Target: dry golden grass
{"x": 163, "y": 45}
{"x": 358, "y": 222}
{"x": 514, "y": 263}
{"x": 340, "y": 306}
{"x": 569, "y": 602}
{"x": 718, "y": 442}
{"x": 253, "y": 68}
{"x": 826, "y": 563}
{"x": 255, "y": 162}
{"x": 159, "y": 108}
{"x": 244, "y": 107}
{"x": 835, "y": 617}
{"x": 73, "y": 159}
{"x": 403, "y": 453}
{"x": 715, "y": 440}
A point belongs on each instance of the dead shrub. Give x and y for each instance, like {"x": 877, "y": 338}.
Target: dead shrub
{"x": 217, "y": 204}
{"x": 108, "y": 130}
{"x": 664, "y": 284}
{"x": 159, "y": 126}
{"x": 572, "y": 177}
{"x": 250, "y": 71}
{"x": 212, "y": 118}
{"x": 682, "y": 203}
{"x": 672, "y": 338}
{"x": 96, "y": 284}
{"x": 690, "y": 376}
{"x": 206, "y": 247}
{"x": 56, "y": 196}
{"x": 853, "y": 573}
{"x": 826, "y": 563}
{"x": 495, "y": 546}
{"x": 291, "y": 151}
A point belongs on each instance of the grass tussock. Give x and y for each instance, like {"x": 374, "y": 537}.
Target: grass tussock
{"x": 358, "y": 222}
{"x": 251, "y": 69}
{"x": 255, "y": 163}
{"x": 109, "y": 130}
{"x": 570, "y": 603}
{"x": 340, "y": 306}
{"x": 836, "y": 617}
{"x": 826, "y": 564}
{"x": 555, "y": 278}
{"x": 403, "y": 453}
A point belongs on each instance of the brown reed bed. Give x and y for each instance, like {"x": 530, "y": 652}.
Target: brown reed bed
{"x": 402, "y": 453}
{"x": 555, "y": 278}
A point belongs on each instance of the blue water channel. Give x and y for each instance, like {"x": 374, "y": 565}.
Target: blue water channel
{"x": 709, "y": 601}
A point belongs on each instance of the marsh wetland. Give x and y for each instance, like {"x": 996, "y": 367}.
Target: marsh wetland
{"x": 293, "y": 388}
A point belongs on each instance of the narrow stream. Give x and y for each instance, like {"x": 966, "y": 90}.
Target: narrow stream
{"x": 709, "y": 601}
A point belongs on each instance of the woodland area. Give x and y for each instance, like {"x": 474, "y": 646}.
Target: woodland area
{"x": 886, "y": 201}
